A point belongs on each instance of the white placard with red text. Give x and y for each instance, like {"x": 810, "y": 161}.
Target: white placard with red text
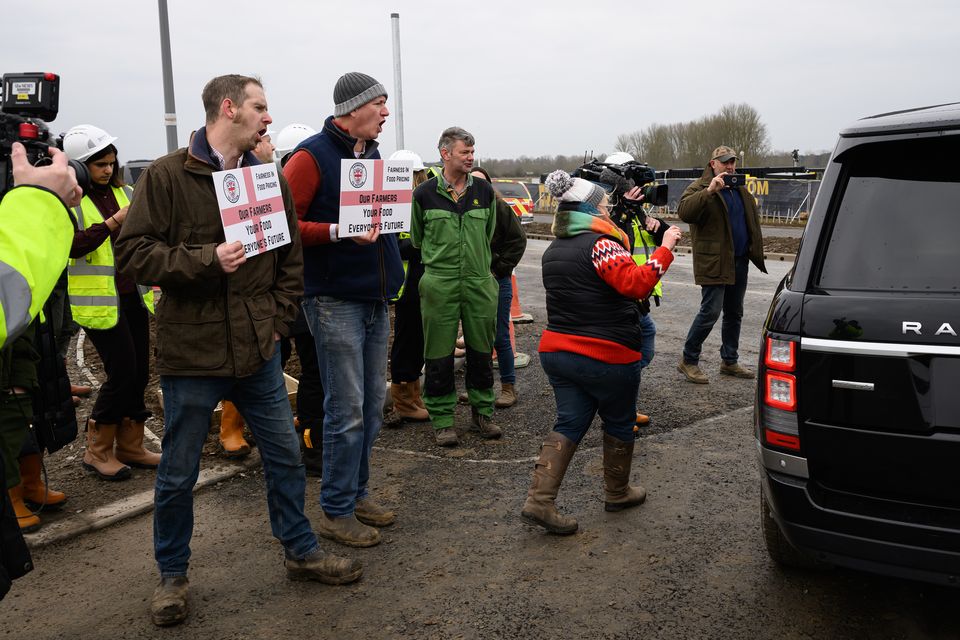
{"x": 251, "y": 207}
{"x": 375, "y": 192}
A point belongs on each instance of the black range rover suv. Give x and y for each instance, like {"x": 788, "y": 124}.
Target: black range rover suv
{"x": 858, "y": 404}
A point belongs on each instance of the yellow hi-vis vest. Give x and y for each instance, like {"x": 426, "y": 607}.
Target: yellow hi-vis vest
{"x": 403, "y": 235}
{"x": 643, "y": 247}
{"x": 35, "y": 237}
{"x": 91, "y": 280}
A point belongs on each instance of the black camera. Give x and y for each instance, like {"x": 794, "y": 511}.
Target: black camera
{"x": 622, "y": 178}
{"x": 733, "y": 180}
{"x": 29, "y": 101}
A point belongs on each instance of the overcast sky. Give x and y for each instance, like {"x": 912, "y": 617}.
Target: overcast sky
{"x": 526, "y": 78}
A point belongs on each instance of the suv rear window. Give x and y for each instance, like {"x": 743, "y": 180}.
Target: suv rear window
{"x": 897, "y": 226}
{"x": 511, "y": 190}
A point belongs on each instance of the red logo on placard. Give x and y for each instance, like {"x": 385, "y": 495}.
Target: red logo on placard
{"x": 358, "y": 175}
{"x": 231, "y": 188}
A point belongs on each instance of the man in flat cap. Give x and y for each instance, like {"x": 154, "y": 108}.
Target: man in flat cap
{"x": 725, "y": 232}
{"x": 347, "y": 285}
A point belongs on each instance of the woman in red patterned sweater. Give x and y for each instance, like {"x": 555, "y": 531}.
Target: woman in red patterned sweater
{"x": 590, "y": 350}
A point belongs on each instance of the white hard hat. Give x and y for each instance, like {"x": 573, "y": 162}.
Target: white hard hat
{"x": 85, "y": 140}
{"x": 618, "y": 157}
{"x": 404, "y": 154}
{"x": 290, "y": 136}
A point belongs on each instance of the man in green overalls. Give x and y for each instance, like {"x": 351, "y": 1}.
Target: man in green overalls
{"x": 452, "y": 223}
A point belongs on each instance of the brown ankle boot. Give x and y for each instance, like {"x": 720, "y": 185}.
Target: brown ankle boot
{"x": 231, "y": 432}
{"x": 130, "y": 449}
{"x": 418, "y": 395}
{"x": 35, "y": 493}
{"x": 404, "y": 402}
{"x": 540, "y": 508}
{"x": 617, "y": 460}
{"x": 507, "y": 397}
{"x": 99, "y": 457}
{"x": 27, "y": 520}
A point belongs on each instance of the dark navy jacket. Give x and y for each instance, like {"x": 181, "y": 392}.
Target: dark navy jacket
{"x": 345, "y": 269}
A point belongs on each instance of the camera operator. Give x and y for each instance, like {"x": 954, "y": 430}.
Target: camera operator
{"x": 35, "y": 236}
{"x": 725, "y": 232}
{"x": 645, "y": 236}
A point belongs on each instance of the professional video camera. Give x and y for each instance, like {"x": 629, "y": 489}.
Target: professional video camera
{"x": 622, "y": 178}
{"x": 29, "y": 101}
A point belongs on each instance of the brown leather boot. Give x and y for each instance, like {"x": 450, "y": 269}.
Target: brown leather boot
{"x": 404, "y": 402}
{"x": 507, "y": 397}
{"x": 35, "y": 493}
{"x": 540, "y": 507}
{"x": 231, "y": 432}
{"x": 99, "y": 457}
{"x": 27, "y": 520}
{"x": 130, "y": 449}
{"x": 617, "y": 460}
{"x": 418, "y": 395}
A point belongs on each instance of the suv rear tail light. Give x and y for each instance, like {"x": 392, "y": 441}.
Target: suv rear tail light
{"x": 778, "y": 415}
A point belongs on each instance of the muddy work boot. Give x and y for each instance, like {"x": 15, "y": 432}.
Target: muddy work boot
{"x": 540, "y": 507}
{"x": 484, "y": 425}
{"x": 130, "y": 449}
{"x": 370, "y": 513}
{"x": 642, "y": 420}
{"x": 617, "y": 460}
{"x": 446, "y": 437}
{"x": 36, "y": 494}
{"x": 347, "y": 530}
{"x": 405, "y": 402}
{"x": 507, "y": 397}
{"x": 99, "y": 457}
{"x": 736, "y": 370}
{"x": 323, "y": 567}
{"x": 169, "y": 603}
{"x": 692, "y": 372}
{"x": 232, "y": 442}
{"x": 28, "y": 520}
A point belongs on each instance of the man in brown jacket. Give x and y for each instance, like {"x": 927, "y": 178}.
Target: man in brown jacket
{"x": 219, "y": 318}
{"x": 725, "y": 231}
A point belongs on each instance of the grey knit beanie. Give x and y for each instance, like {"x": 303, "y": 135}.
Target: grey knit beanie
{"x": 354, "y": 90}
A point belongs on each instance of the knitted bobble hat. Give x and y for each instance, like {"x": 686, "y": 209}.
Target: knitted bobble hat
{"x": 570, "y": 189}
{"x": 353, "y": 90}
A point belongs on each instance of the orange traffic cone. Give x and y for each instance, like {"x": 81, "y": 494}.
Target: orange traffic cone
{"x": 516, "y": 313}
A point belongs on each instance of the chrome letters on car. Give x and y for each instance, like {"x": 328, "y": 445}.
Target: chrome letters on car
{"x": 917, "y": 328}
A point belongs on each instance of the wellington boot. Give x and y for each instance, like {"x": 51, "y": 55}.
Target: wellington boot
{"x": 130, "y": 449}
{"x": 548, "y": 471}
{"x": 27, "y": 520}
{"x": 35, "y": 493}
{"x": 405, "y": 402}
{"x": 507, "y": 397}
{"x": 99, "y": 457}
{"x": 617, "y": 460}
{"x": 418, "y": 395}
{"x": 231, "y": 433}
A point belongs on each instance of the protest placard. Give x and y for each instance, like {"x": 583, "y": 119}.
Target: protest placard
{"x": 375, "y": 192}
{"x": 251, "y": 207}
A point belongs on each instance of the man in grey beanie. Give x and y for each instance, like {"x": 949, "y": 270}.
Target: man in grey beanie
{"x": 347, "y": 285}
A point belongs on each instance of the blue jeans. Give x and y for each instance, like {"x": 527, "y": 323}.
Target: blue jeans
{"x": 584, "y": 387}
{"x": 188, "y": 402}
{"x": 502, "y": 342}
{"x": 648, "y": 340}
{"x": 716, "y": 298}
{"x": 351, "y": 340}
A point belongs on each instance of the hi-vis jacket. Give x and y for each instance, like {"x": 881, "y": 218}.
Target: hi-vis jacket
{"x": 91, "y": 280}
{"x": 35, "y": 238}
{"x": 644, "y": 245}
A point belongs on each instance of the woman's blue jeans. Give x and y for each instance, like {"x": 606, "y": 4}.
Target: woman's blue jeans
{"x": 502, "y": 342}
{"x": 584, "y": 387}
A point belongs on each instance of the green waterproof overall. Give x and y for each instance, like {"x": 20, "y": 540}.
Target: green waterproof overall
{"x": 454, "y": 236}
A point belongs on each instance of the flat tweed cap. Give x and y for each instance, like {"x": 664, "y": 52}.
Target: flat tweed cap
{"x": 353, "y": 90}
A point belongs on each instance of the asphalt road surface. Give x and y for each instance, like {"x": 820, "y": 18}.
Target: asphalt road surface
{"x": 768, "y": 230}
{"x": 459, "y": 563}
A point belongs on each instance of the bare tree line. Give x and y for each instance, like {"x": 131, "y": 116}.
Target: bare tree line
{"x": 677, "y": 145}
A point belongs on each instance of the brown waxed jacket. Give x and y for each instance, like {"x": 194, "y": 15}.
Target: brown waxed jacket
{"x": 209, "y": 323}
{"x": 710, "y": 232}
